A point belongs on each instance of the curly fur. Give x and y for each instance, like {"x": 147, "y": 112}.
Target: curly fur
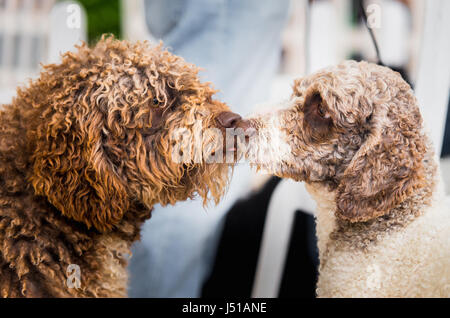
{"x": 85, "y": 153}
{"x": 354, "y": 134}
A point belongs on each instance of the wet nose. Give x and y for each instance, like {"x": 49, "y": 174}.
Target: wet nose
{"x": 228, "y": 119}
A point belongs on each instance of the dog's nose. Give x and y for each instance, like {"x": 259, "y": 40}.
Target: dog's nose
{"x": 228, "y": 119}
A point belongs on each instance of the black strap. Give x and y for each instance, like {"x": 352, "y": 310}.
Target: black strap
{"x": 372, "y": 35}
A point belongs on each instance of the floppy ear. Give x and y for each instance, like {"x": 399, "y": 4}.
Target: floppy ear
{"x": 387, "y": 167}
{"x": 72, "y": 171}
{"x": 318, "y": 122}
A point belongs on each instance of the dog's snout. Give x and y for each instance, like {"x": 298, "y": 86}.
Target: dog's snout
{"x": 247, "y": 126}
{"x": 228, "y": 119}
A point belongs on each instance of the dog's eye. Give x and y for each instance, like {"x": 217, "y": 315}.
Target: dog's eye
{"x": 155, "y": 101}
{"x": 321, "y": 111}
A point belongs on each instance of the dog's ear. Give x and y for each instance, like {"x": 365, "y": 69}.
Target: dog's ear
{"x": 318, "y": 123}
{"x": 72, "y": 171}
{"x": 388, "y": 166}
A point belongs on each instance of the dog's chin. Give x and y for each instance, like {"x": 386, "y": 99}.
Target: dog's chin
{"x": 281, "y": 170}
{"x": 212, "y": 181}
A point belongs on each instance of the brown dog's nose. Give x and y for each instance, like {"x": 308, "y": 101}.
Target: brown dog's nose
{"x": 228, "y": 119}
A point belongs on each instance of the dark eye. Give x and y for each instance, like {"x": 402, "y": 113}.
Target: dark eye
{"x": 320, "y": 111}
{"x": 155, "y": 101}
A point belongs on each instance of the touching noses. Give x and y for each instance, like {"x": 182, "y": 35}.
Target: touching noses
{"x": 228, "y": 119}
{"x": 232, "y": 120}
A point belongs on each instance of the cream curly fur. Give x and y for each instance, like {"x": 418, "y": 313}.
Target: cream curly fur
{"x": 411, "y": 262}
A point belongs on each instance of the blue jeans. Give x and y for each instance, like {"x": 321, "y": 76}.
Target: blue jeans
{"x": 238, "y": 45}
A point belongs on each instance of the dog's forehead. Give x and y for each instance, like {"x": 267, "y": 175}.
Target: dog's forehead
{"x": 334, "y": 76}
{"x": 342, "y": 86}
{"x": 345, "y": 90}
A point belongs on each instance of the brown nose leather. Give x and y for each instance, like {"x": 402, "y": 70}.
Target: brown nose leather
{"x": 228, "y": 119}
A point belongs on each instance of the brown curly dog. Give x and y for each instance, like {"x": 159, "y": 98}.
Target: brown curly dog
{"x": 85, "y": 152}
{"x": 353, "y": 132}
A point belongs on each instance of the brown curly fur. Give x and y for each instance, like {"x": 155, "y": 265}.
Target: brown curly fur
{"x": 353, "y": 132}
{"x": 85, "y": 152}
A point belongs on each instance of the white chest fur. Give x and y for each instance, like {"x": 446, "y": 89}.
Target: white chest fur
{"x": 412, "y": 261}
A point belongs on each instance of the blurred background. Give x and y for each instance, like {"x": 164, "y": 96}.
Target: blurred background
{"x": 251, "y": 51}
